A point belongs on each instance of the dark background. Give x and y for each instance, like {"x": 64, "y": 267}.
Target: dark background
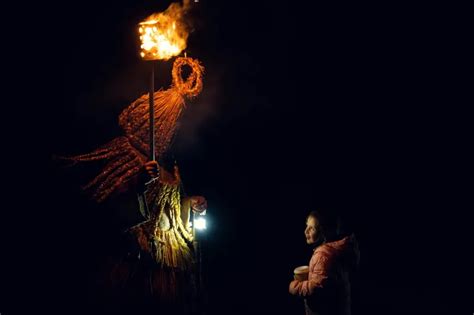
{"x": 352, "y": 107}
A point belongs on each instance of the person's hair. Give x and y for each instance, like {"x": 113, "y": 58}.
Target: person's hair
{"x": 326, "y": 221}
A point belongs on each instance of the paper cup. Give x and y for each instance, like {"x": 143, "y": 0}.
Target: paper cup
{"x": 301, "y": 273}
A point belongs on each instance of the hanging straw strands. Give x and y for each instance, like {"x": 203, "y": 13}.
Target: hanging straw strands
{"x": 125, "y": 156}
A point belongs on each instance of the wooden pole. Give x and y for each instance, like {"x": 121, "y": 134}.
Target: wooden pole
{"x": 152, "y": 113}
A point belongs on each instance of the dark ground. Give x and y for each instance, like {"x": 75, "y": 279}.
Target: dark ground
{"x": 350, "y": 107}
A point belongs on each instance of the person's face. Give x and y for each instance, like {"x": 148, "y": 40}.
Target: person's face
{"x": 311, "y": 231}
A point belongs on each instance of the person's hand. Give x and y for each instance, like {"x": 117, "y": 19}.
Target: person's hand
{"x": 151, "y": 169}
{"x": 292, "y": 287}
{"x": 198, "y": 204}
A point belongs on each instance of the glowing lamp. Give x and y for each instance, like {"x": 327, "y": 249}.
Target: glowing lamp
{"x": 200, "y": 223}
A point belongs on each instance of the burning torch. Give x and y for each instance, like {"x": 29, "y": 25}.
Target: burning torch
{"x": 163, "y": 36}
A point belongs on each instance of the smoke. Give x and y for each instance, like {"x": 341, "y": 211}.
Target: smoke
{"x": 199, "y": 115}
{"x": 186, "y": 5}
{"x": 175, "y": 11}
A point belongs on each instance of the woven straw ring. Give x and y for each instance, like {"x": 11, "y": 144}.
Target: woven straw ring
{"x": 193, "y": 84}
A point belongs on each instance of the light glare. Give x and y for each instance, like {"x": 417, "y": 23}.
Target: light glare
{"x": 200, "y": 223}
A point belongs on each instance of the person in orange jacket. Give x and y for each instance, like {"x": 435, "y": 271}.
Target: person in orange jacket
{"x": 328, "y": 289}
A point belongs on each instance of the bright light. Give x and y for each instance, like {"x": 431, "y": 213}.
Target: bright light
{"x": 200, "y": 223}
{"x": 163, "y": 35}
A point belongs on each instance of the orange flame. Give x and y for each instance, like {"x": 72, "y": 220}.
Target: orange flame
{"x": 163, "y": 35}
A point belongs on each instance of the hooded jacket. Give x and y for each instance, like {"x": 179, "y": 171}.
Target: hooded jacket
{"x": 327, "y": 290}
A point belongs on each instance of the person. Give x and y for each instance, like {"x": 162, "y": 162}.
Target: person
{"x": 154, "y": 272}
{"x": 327, "y": 290}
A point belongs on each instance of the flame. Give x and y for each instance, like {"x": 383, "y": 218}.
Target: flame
{"x": 163, "y": 35}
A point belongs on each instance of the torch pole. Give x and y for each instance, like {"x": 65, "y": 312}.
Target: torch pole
{"x": 152, "y": 112}
{"x": 197, "y": 266}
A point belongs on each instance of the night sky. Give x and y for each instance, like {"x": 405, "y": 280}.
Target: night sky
{"x": 302, "y": 107}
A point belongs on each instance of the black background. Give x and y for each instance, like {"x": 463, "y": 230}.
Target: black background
{"x": 349, "y": 107}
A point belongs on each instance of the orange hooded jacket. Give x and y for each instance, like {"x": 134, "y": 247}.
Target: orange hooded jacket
{"x": 327, "y": 290}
